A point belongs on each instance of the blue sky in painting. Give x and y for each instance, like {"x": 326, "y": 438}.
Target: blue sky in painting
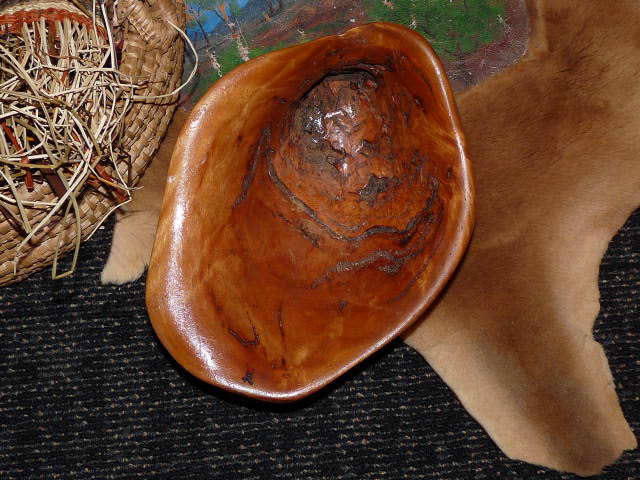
{"x": 212, "y": 19}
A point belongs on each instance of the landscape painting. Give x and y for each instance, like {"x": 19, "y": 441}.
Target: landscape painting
{"x": 474, "y": 38}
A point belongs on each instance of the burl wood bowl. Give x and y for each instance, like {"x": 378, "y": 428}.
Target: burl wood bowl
{"x": 318, "y": 199}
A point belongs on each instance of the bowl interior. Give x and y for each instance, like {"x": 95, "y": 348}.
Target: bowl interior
{"x": 318, "y": 199}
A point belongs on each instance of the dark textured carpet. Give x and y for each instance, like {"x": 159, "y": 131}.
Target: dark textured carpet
{"x": 88, "y": 392}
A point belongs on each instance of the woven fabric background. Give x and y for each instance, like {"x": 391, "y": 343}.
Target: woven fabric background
{"x": 88, "y": 392}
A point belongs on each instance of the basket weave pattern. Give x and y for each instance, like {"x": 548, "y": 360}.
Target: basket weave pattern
{"x": 151, "y": 58}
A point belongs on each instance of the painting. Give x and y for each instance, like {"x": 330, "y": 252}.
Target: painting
{"x": 474, "y": 38}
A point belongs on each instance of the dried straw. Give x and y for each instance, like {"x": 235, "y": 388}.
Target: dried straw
{"x": 62, "y": 104}
{"x": 61, "y": 108}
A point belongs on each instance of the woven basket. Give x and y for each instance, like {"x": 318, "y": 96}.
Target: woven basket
{"x": 151, "y": 58}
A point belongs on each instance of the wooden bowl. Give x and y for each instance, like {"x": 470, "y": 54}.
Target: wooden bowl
{"x": 318, "y": 199}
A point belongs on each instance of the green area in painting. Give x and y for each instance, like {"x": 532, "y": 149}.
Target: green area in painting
{"x": 256, "y": 52}
{"x": 229, "y": 58}
{"x": 454, "y": 27}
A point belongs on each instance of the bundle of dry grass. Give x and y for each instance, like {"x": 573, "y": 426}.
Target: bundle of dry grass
{"x": 73, "y": 93}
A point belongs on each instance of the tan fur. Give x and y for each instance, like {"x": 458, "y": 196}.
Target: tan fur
{"x": 136, "y": 224}
{"x": 555, "y": 142}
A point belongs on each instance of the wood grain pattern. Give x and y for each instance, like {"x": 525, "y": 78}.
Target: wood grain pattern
{"x": 317, "y": 201}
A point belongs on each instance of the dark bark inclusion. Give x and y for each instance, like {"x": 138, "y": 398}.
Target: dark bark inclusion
{"x": 339, "y": 144}
{"x": 339, "y": 130}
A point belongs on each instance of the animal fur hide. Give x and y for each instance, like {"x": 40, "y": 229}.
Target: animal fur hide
{"x": 555, "y": 143}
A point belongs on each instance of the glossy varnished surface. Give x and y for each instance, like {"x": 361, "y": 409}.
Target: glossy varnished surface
{"x": 317, "y": 201}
